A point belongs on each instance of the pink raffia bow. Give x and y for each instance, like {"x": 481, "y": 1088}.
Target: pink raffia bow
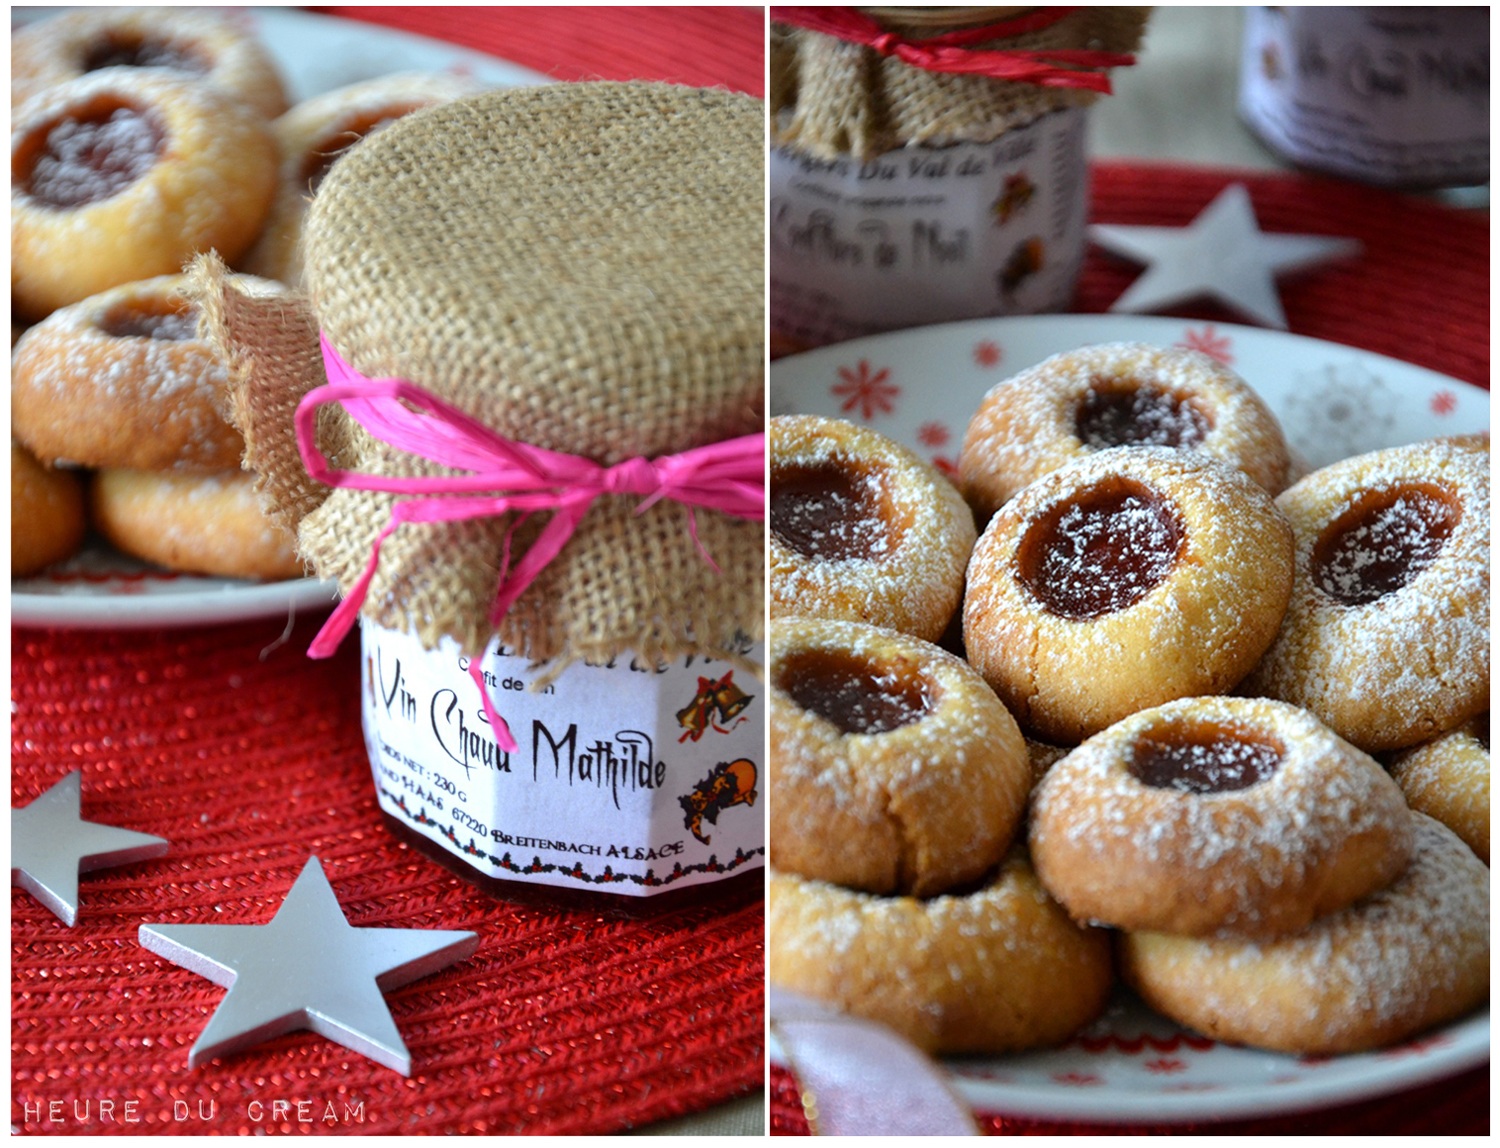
{"x": 504, "y": 477}
{"x": 952, "y": 51}
{"x": 859, "y": 1078}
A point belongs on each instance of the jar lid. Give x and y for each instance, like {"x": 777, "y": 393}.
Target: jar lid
{"x": 831, "y": 97}
{"x": 578, "y": 267}
{"x": 944, "y": 17}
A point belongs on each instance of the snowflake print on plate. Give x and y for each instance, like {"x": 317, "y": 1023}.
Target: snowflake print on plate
{"x": 865, "y": 391}
{"x": 1207, "y": 340}
{"x": 1443, "y": 403}
{"x": 1078, "y": 1079}
{"x": 1418, "y": 1047}
{"x": 1333, "y": 411}
{"x": 933, "y": 436}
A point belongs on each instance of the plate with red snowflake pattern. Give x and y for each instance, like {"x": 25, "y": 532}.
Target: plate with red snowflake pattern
{"x": 920, "y": 387}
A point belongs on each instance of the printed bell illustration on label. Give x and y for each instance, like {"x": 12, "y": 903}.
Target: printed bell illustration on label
{"x": 716, "y": 704}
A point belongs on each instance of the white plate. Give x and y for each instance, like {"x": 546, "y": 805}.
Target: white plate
{"x": 920, "y": 387}
{"x": 101, "y": 589}
{"x": 318, "y": 53}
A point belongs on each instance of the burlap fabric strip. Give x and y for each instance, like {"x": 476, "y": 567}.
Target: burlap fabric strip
{"x": 577, "y": 266}
{"x": 830, "y": 98}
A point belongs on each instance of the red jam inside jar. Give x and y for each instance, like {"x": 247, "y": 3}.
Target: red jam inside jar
{"x": 1118, "y": 412}
{"x": 90, "y": 154}
{"x": 1383, "y": 541}
{"x": 143, "y": 321}
{"x": 1204, "y": 757}
{"x": 828, "y": 512}
{"x": 1101, "y": 550}
{"x": 853, "y": 693}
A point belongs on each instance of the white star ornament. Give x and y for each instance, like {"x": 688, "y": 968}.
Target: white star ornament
{"x": 51, "y": 844}
{"x": 1222, "y": 255}
{"x": 307, "y": 969}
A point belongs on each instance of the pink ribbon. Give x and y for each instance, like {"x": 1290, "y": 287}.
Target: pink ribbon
{"x": 859, "y": 1078}
{"x": 953, "y": 51}
{"x": 504, "y": 477}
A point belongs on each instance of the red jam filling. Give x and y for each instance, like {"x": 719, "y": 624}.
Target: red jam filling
{"x": 127, "y": 321}
{"x": 828, "y": 512}
{"x": 1119, "y": 413}
{"x": 855, "y": 695}
{"x": 1102, "y": 550}
{"x": 125, "y": 51}
{"x": 1204, "y": 758}
{"x": 1383, "y": 541}
{"x": 88, "y": 155}
{"x": 321, "y": 158}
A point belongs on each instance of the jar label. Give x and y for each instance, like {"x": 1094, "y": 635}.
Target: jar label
{"x": 927, "y": 234}
{"x": 1394, "y": 96}
{"x": 624, "y": 780}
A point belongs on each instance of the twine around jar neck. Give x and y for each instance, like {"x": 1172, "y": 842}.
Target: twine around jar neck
{"x": 981, "y": 50}
{"x": 940, "y": 19}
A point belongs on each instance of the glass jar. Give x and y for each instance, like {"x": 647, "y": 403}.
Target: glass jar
{"x": 903, "y": 193}
{"x": 1396, "y": 97}
{"x": 626, "y": 784}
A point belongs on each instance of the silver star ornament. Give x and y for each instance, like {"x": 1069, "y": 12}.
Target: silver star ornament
{"x": 1221, "y": 255}
{"x": 51, "y": 844}
{"x": 307, "y": 969}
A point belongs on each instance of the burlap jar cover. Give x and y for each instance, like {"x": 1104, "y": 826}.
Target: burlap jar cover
{"x": 570, "y": 276}
{"x": 831, "y": 96}
{"x": 578, "y": 267}
{"x": 856, "y": 94}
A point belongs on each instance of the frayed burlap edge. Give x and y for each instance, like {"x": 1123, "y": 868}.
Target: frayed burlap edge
{"x": 625, "y": 585}
{"x": 829, "y": 98}
{"x": 270, "y": 348}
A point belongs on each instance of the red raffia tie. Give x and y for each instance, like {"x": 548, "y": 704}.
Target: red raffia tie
{"x": 951, "y": 51}
{"x": 504, "y": 477}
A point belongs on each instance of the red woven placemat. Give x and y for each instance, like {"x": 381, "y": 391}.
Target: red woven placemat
{"x": 248, "y": 757}
{"x": 1419, "y": 291}
{"x": 701, "y": 46}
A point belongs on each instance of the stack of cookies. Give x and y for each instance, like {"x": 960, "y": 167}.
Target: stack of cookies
{"x": 120, "y": 386}
{"x": 900, "y": 886}
{"x": 1203, "y": 663}
{"x": 142, "y": 137}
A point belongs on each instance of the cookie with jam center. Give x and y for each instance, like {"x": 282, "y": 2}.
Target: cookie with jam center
{"x": 1109, "y": 395}
{"x": 1124, "y": 580}
{"x": 1217, "y": 814}
{"x": 893, "y": 768}
{"x": 862, "y": 529}
{"x": 1387, "y": 633}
